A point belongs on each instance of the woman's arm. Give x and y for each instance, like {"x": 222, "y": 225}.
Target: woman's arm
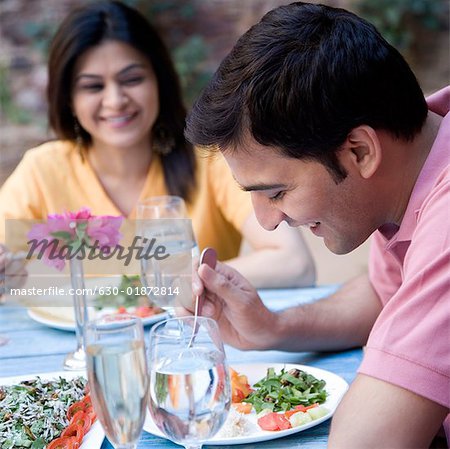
{"x": 278, "y": 258}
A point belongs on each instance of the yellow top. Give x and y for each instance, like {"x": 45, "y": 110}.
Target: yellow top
{"x": 53, "y": 178}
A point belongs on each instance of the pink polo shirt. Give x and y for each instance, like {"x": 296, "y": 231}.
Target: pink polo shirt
{"x": 409, "y": 345}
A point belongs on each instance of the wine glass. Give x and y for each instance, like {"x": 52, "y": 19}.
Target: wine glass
{"x": 76, "y": 360}
{"x": 118, "y": 377}
{"x": 162, "y": 222}
{"x": 190, "y": 394}
{"x": 164, "y": 206}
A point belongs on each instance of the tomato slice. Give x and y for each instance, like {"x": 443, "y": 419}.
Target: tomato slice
{"x": 83, "y": 419}
{"x": 92, "y": 414}
{"x": 240, "y": 387}
{"x": 85, "y": 405}
{"x": 64, "y": 443}
{"x": 237, "y": 395}
{"x": 289, "y": 413}
{"x": 274, "y": 421}
{"x": 312, "y": 406}
{"x": 89, "y": 408}
{"x": 87, "y": 401}
{"x": 74, "y": 430}
{"x": 300, "y": 408}
{"x": 283, "y": 422}
{"x": 74, "y": 408}
{"x": 144, "y": 311}
{"x": 268, "y": 422}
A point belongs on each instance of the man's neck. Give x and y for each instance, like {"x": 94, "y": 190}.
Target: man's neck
{"x": 415, "y": 155}
{"x": 405, "y": 162}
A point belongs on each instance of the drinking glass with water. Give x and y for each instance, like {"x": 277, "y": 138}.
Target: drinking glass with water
{"x": 162, "y": 222}
{"x": 189, "y": 394}
{"x": 118, "y": 377}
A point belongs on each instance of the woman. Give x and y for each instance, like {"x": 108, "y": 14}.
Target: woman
{"x": 116, "y": 108}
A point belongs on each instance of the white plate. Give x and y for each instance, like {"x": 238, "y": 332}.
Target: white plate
{"x": 335, "y": 386}
{"x": 62, "y": 316}
{"x": 94, "y": 438}
{"x": 45, "y": 316}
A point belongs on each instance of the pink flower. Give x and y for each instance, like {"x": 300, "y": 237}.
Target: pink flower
{"x": 105, "y": 231}
{"x": 63, "y": 233}
{"x": 83, "y": 214}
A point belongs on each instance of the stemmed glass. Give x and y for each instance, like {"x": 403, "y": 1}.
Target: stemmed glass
{"x": 189, "y": 395}
{"x": 167, "y": 281}
{"x": 118, "y": 377}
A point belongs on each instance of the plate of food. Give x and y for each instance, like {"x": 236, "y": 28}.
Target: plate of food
{"x": 271, "y": 401}
{"x": 105, "y": 297}
{"x": 42, "y": 411}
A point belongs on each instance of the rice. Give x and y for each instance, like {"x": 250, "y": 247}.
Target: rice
{"x": 236, "y": 425}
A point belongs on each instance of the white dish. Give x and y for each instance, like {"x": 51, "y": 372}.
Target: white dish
{"x": 94, "y": 438}
{"x": 58, "y": 313}
{"x": 335, "y": 386}
{"x": 44, "y": 316}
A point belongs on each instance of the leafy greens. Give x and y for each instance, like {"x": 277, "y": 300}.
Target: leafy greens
{"x": 282, "y": 392}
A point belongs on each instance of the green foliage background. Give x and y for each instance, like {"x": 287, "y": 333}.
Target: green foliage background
{"x": 397, "y": 20}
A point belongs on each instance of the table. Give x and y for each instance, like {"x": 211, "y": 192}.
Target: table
{"x": 35, "y": 348}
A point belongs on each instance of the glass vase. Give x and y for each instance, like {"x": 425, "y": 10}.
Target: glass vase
{"x": 76, "y": 360}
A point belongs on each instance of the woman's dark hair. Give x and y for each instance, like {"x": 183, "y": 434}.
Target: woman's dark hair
{"x": 300, "y": 80}
{"x": 91, "y": 25}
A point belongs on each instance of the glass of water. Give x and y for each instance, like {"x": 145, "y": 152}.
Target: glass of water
{"x": 170, "y": 245}
{"x": 189, "y": 396}
{"x": 118, "y": 377}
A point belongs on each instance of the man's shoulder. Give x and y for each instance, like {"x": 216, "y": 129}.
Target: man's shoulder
{"x": 439, "y": 102}
{"x": 439, "y": 192}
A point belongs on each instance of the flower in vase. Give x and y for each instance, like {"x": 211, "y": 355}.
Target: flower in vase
{"x": 64, "y": 235}
{"x": 105, "y": 231}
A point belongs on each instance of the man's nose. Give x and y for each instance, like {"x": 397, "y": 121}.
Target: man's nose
{"x": 268, "y": 215}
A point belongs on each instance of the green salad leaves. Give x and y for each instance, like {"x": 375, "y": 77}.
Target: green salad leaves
{"x": 282, "y": 392}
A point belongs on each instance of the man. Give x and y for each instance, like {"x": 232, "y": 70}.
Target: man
{"x": 325, "y": 124}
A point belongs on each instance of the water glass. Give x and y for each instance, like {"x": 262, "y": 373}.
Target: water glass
{"x": 118, "y": 377}
{"x": 189, "y": 396}
{"x": 164, "y": 206}
{"x": 168, "y": 280}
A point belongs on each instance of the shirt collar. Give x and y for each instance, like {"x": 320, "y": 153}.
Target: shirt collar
{"x": 431, "y": 169}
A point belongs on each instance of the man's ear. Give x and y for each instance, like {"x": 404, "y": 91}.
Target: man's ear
{"x": 363, "y": 150}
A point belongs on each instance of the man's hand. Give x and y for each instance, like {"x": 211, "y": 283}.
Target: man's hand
{"x": 233, "y": 302}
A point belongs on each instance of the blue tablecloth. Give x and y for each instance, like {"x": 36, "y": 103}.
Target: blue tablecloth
{"x": 35, "y": 348}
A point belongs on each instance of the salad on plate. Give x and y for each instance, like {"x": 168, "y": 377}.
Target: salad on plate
{"x": 270, "y": 401}
{"x": 280, "y": 401}
{"x": 45, "y": 414}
